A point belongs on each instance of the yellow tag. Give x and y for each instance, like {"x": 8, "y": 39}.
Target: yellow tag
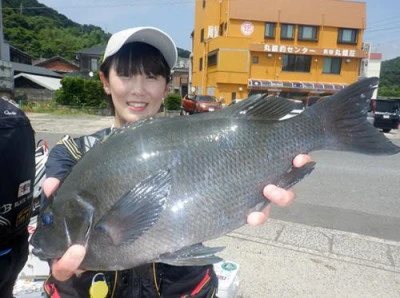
{"x": 98, "y": 289}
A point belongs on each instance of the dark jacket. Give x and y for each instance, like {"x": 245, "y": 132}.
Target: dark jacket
{"x": 17, "y": 171}
{"x": 17, "y": 174}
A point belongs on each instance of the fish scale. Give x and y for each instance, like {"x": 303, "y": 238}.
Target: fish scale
{"x": 154, "y": 190}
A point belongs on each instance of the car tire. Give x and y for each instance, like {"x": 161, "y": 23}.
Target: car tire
{"x": 386, "y": 130}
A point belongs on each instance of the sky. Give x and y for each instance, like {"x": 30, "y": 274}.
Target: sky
{"x": 176, "y": 17}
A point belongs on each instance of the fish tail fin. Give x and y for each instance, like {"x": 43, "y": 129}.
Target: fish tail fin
{"x": 344, "y": 119}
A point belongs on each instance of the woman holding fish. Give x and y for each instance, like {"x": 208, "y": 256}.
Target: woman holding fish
{"x": 135, "y": 74}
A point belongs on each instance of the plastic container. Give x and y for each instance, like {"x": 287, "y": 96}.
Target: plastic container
{"x": 228, "y": 279}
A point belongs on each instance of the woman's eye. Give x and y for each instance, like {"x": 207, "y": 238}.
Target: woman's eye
{"x": 47, "y": 219}
{"x": 151, "y": 77}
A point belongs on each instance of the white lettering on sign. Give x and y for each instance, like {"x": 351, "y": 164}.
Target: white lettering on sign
{"x": 275, "y": 48}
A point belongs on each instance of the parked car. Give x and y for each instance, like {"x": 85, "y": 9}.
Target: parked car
{"x": 192, "y": 104}
{"x": 386, "y": 113}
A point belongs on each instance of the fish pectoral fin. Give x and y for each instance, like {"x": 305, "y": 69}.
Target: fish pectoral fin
{"x": 138, "y": 210}
{"x": 295, "y": 175}
{"x": 195, "y": 255}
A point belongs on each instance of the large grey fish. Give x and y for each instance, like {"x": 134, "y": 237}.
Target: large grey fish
{"x": 156, "y": 189}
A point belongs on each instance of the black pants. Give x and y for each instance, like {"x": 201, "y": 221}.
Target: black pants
{"x": 12, "y": 263}
{"x": 172, "y": 282}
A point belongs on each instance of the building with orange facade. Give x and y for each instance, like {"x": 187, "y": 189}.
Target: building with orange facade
{"x": 292, "y": 48}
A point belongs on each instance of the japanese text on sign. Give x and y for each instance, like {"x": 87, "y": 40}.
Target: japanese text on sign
{"x": 308, "y": 51}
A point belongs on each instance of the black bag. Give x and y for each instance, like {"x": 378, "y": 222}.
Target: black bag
{"x": 17, "y": 171}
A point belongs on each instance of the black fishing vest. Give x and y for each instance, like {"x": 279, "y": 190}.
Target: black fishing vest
{"x": 17, "y": 171}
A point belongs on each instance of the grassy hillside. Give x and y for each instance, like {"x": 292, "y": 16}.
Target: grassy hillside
{"x": 390, "y": 78}
{"x": 42, "y": 32}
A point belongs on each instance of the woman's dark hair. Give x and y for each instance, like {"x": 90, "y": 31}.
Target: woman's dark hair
{"x": 136, "y": 58}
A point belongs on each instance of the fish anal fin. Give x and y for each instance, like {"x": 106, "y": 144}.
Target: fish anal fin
{"x": 196, "y": 255}
{"x": 295, "y": 175}
{"x": 136, "y": 211}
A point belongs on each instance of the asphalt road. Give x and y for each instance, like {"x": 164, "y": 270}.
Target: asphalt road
{"x": 350, "y": 192}
{"x": 347, "y": 191}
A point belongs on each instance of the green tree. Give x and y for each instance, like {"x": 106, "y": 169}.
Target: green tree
{"x": 173, "y": 102}
{"x": 81, "y": 92}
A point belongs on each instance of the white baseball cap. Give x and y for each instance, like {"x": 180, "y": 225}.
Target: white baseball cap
{"x": 150, "y": 35}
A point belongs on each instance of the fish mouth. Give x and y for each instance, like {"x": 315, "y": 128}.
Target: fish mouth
{"x": 41, "y": 254}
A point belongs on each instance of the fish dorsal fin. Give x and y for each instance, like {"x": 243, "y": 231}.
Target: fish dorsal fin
{"x": 260, "y": 107}
{"x": 138, "y": 210}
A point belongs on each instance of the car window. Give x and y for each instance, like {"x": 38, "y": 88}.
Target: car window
{"x": 386, "y": 106}
{"x": 206, "y": 98}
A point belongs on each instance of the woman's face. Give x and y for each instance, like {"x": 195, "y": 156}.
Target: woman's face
{"x": 134, "y": 97}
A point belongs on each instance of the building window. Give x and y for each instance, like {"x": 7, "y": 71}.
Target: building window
{"x": 287, "y": 31}
{"x": 212, "y": 58}
{"x": 202, "y": 35}
{"x": 201, "y": 64}
{"x": 332, "y": 65}
{"x": 296, "y": 63}
{"x": 347, "y": 36}
{"x": 94, "y": 64}
{"x": 221, "y": 29}
{"x": 255, "y": 59}
{"x": 308, "y": 33}
{"x": 269, "y": 30}
{"x": 204, "y": 3}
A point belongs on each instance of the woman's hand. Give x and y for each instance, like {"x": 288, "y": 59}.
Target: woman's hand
{"x": 277, "y": 195}
{"x": 65, "y": 267}
{"x": 68, "y": 264}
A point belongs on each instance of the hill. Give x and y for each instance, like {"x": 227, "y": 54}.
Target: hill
{"x": 42, "y": 32}
{"x": 390, "y": 78}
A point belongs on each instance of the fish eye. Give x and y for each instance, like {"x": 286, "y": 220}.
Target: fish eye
{"x": 47, "y": 219}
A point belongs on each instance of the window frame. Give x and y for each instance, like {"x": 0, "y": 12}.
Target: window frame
{"x": 212, "y": 58}
{"x": 354, "y": 40}
{"x": 273, "y": 30}
{"x": 332, "y": 59}
{"x": 314, "y": 33}
{"x": 296, "y": 62}
{"x": 94, "y": 64}
{"x": 287, "y": 26}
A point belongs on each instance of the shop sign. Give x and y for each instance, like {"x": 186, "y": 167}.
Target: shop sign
{"x": 267, "y": 84}
{"x": 247, "y": 28}
{"x": 301, "y": 50}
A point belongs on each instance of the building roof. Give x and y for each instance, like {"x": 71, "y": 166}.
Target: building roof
{"x": 182, "y": 63}
{"x": 375, "y": 56}
{"x": 46, "y": 82}
{"x": 99, "y": 50}
{"x": 56, "y": 58}
{"x": 36, "y": 70}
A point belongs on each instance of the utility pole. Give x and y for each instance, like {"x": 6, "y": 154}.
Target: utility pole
{"x": 2, "y": 48}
